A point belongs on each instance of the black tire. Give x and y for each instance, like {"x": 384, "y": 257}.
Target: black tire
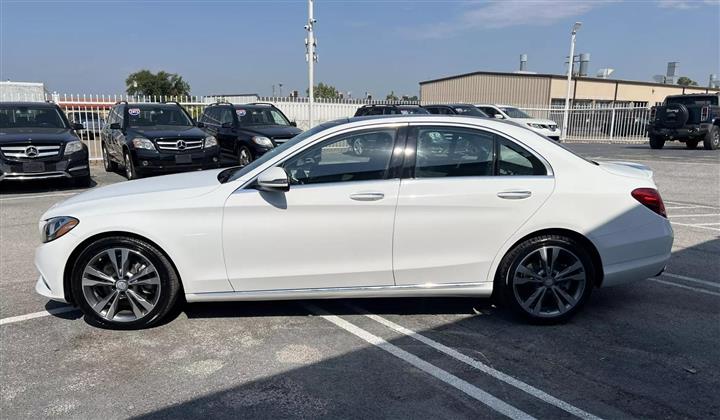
{"x": 108, "y": 163}
{"x": 169, "y": 283}
{"x": 130, "y": 171}
{"x": 244, "y": 155}
{"x": 511, "y": 295}
{"x": 712, "y": 138}
{"x": 691, "y": 144}
{"x": 657, "y": 142}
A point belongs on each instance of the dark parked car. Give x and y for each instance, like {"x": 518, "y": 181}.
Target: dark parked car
{"x": 686, "y": 118}
{"x": 149, "y": 138}
{"x": 247, "y": 131}
{"x": 387, "y": 109}
{"x": 38, "y": 142}
{"x": 455, "y": 109}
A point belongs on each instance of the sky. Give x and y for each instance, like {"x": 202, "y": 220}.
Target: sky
{"x": 374, "y": 46}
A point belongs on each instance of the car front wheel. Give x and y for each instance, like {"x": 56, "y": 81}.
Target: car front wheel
{"x": 130, "y": 171}
{"x": 124, "y": 283}
{"x": 657, "y": 142}
{"x": 546, "y": 279}
{"x": 712, "y": 138}
{"x": 244, "y": 156}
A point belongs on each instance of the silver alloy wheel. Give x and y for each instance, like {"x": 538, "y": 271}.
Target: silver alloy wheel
{"x": 716, "y": 138}
{"x": 245, "y": 157}
{"x": 106, "y": 162}
{"x": 358, "y": 147}
{"x": 128, "y": 167}
{"x": 121, "y": 285}
{"x": 549, "y": 281}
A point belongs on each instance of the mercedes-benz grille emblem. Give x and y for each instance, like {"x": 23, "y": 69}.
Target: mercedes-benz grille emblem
{"x": 31, "y": 152}
{"x": 181, "y": 145}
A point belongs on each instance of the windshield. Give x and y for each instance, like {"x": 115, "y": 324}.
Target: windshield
{"x": 154, "y": 115}
{"x": 410, "y": 110}
{"x": 469, "y": 110}
{"x": 232, "y": 174}
{"x": 30, "y": 117}
{"x": 514, "y": 112}
{"x": 260, "y": 116}
{"x": 693, "y": 100}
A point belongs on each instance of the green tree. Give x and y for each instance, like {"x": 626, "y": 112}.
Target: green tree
{"x": 413, "y": 98}
{"x": 686, "y": 81}
{"x": 145, "y": 82}
{"x": 391, "y": 96}
{"x": 323, "y": 91}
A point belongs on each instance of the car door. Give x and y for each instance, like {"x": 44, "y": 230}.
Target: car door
{"x": 332, "y": 229}
{"x": 463, "y": 197}
{"x": 226, "y": 130}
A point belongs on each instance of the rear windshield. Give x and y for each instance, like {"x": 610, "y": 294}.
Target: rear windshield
{"x": 410, "y": 110}
{"x": 260, "y": 116}
{"x": 693, "y": 100}
{"x": 30, "y": 117}
{"x": 469, "y": 110}
{"x": 153, "y": 115}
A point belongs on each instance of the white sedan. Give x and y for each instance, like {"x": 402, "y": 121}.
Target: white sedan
{"x": 547, "y": 128}
{"x": 439, "y": 206}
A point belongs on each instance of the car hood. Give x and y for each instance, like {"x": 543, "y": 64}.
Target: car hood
{"x": 36, "y": 135}
{"x": 169, "y": 132}
{"x": 534, "y": 121}
{"x": 282, "y": 131}
{"x": 629, "y": 169}
{"x": 143, "y": 194}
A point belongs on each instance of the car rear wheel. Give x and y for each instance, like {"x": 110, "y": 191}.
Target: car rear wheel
{"x": 546, "y": 279}
{"x": 691, "y": 144}
{"x": 244, "y": 156}
{"x": 109, "y": 165}
{"x": 124, "y": 283}
{"x": 130, "y": 172}
{"x": 712, "y": 138}
{"x": 656, "y": 142}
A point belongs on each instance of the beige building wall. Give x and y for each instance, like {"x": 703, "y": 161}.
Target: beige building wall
{"x": 604, "y": 90}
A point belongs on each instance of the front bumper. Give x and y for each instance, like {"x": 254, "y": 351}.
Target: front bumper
{"x": 68, "y": 167}
{"x": 152, "y": 161}
{"x": 553, "y": 134}
{"x": 50, "y": 260}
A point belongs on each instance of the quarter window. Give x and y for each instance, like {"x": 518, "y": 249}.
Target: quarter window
{"x": 449, "y": 151}
{"x": 357, "y": 156}
{"x": 514, "y": 160}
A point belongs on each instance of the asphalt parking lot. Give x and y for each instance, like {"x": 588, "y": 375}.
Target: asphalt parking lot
{"x": 645, "y": 350}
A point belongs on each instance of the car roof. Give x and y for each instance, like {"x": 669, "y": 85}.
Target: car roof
{"x": 35, "y": 104}
{"x": 693, "y": 94}
{"x": 449, "y": 105}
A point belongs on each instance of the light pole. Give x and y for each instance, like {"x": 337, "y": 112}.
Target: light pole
{"x": 566, "y": 114}
{"x": 311, "y": 58}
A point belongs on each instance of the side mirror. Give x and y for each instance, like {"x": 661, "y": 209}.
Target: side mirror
{"x": 499, "y": 116}
{"x": 273, "y": 179}
{"x": 115, "y": 126}
{"x": 227, "y": 125}
{"x": 200, "y": 124}
{"x": 293, "y": 123}
{"x": 78, "y": 126}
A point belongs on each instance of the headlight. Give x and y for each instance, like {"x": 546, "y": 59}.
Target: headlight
{"x": 143, "y": 143}
{"x": 533, "y": 125}
{"x": 57, "y": 227}
{"x": 73, "y": 146}
{"x": 210, "y": 141}
{"x": 262, "y": 141}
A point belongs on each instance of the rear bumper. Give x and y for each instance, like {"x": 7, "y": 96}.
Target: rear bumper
{"x": 690, "y": 131}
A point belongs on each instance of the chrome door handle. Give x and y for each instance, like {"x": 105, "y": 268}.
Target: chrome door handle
{"x": 367, "y": 196}
{"x": 514, "y": 195}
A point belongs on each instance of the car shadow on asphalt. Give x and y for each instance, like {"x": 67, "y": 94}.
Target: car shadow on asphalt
{"x": 41, "y": 186}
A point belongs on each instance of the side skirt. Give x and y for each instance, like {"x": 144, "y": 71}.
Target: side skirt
{"x": 449, "y": 290}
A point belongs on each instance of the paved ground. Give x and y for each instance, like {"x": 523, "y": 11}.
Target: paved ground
{"x": 649, "y": 349}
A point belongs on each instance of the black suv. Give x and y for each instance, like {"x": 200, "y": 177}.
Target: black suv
{"x": 384, "y": 109}
{"x": 247, "y": 131}
{"x": 688, "y": 119}
{"x": 155, "y": 137}
{"x": 38, "y": 142}
{"x": 455, "y": 109}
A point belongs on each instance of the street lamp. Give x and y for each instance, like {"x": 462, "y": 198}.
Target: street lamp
{"x": 566, "y": 114}
{"x": 311, "y": 57}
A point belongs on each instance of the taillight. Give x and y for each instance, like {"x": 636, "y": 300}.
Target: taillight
{"x": 650, "y": 198}
{"x": 704, "y": 113}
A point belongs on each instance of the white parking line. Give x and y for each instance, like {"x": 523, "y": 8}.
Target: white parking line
{"x": 682, "y": 286}
{"x": 678, "y": 203}
{"x": 696, "y": 226}
{"x": 695, "y": 215}
{"x": 27, "y": 197}
{"x": 537, "y": 393}
{"x": 489, "y": 400}
{"x": 692, "y": 279}
{"x": 55, "y": 311}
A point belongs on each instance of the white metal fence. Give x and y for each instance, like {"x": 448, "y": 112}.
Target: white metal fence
{"x": 585, "y": 124}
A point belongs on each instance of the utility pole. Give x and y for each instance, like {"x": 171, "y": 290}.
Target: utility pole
{"x": 311, "y": 58}
{"x": 571, "y": 60}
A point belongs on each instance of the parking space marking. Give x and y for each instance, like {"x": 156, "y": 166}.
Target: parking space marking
{"x": 489, "y": 400}
{"x": 24, "y": 197}
{"x": 54, "y": 311}
{"x": 696, "y": 226}
{"x": 692, "y": 279}
{"x": 537, "y": 393}
{"x": 694, "y": 215}
{"x": 682, "y": 286}
{"x": 691, "y": 205}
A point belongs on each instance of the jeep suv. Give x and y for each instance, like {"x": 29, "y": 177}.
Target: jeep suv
{"x": 148, "y": 138}
{"x": 247, "y": 131}
{"x": 384, "y": 109}
{"x": 688, "y": 119}
{"x": 38, "y": 142}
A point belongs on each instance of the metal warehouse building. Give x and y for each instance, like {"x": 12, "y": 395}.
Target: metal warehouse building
{"x": 546, "y": 90}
